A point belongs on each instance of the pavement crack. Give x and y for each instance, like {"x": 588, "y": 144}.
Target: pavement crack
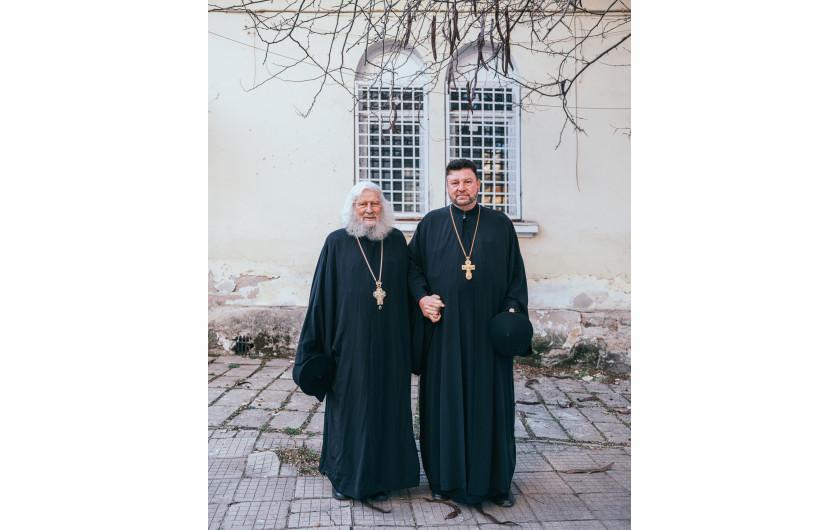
{"x": 523, "y": 418}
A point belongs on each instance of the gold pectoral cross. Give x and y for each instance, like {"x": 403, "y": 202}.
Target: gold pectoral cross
{"x": 379, "y": 294}
{"x": 469, "y": 267}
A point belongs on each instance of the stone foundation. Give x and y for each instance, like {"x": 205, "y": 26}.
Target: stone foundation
{"x": 598, "y": 339}
{"x": 273, "y": 331}
{"x": 270, "y": 309}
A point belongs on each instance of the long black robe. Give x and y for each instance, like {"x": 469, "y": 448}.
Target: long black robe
{"x": 368, "y": 436}
{"x": 466, "y": 389}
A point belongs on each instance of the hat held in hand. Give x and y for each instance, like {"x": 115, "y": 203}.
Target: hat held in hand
{"x": 511, "y": 333}
{"x": 315, "y": 375}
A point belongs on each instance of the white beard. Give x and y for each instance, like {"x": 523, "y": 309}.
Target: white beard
{"x": 377, "y": 232}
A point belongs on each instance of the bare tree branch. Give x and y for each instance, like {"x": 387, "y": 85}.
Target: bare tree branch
{"x": 329, "y": 36}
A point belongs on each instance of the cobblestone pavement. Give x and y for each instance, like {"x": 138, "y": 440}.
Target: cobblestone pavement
{"x": 256, "y": 410}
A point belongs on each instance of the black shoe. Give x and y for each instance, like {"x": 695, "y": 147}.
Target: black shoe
{"x": 339, "y": 496}
{"x": 382, "y": 496}
{"x": 505, "y": 500}
{"x": 439, "y": 496}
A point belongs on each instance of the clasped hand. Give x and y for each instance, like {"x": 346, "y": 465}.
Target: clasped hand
{"x": 430, "y": 306}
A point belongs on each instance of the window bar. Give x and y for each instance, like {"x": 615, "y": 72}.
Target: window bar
{"x": 393, "y": 157}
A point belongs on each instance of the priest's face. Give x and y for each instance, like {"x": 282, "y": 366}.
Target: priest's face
{"x": 369, "y": 208}
{"x": 463, "y": 185}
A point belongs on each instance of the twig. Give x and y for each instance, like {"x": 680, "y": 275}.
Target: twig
{"x": 557, "y": 376}
{"x": 492, "y": 518}
{"x": 456, "y": 510}
{"x": 305, "y": 27}
{"x": 377, "y": 508}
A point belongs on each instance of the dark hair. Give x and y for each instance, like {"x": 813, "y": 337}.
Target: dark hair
{"x": 461, "y": 163}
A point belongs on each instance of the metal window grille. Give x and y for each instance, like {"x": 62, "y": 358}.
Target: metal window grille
{"x": 390, "y": 137}
{"x": 243, "y": 345}
{"x": 489, "y": 136}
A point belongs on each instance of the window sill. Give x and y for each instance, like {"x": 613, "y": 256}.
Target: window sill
{"x": 524, "y": 229}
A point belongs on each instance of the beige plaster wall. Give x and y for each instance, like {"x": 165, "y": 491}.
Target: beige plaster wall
{"x": 277, "y": 181}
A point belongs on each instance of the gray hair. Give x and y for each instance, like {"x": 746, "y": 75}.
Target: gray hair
{"x": 350, "y": 221}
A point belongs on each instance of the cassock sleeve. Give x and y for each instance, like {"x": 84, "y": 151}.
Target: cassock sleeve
{"x": 516, "y": 296}
{"x": 418, "y": 287}
{"x": 316, "y": 336}
{"x": 418, "y": 324}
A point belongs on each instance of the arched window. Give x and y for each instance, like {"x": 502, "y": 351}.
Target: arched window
{"x": 392, "y": 127}
{"x": 487, "y": 134}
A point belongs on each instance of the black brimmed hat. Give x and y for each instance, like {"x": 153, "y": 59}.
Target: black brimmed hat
{"x": 511, "y": 333}
{"x": 315, "y": 375}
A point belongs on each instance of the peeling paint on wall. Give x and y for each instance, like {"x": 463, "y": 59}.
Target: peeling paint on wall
{"x": 582, "y": 301}
{"x": 282, "y": 287}
{"x": 580, "y": 293}
{"x": 225, "y": 286}
{"x": 258, "y": 286}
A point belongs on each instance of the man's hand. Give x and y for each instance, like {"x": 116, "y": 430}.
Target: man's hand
{"x": 430, "y": 306}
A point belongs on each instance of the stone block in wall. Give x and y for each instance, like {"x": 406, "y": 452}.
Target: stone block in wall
{"x": 274, "y": 331}
{"x": 599, "y": 339}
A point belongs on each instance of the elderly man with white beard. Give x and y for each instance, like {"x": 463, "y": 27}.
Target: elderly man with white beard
{"x": 354, "y": 350}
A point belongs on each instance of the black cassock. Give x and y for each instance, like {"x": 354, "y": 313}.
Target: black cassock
{"x": 368, "y": 436}
{"x": 466, "y": 389}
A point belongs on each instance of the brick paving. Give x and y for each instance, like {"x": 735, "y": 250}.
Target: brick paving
{"x": 256, "y": 410}
{"x": 263, "y": 464}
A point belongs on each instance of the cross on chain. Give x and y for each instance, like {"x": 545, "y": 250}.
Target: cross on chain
{"x": 379, "y": 294}
{"x": 469, "y": 267}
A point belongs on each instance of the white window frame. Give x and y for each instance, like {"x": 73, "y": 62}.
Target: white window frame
{"x": 480, "y": 117}
{"x": 369, "y": 77}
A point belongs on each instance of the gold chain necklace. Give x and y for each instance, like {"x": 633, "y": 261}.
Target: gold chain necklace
{"x": 379, "y": 293}
{"x": 467, "y": 266}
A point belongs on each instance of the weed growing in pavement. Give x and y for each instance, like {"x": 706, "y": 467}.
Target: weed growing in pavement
{"x": 304, "y": 459}
{"x": 233, "y": 365}
{"x": 306, "y": 421}
{"x": 534, "y": 360}
{"x": 236, "y": 413}
{"x": 291, "y": 431}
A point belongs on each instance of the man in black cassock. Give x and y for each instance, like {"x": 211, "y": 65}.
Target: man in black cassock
{"x": 465, "y": 267}
{"x": 358, "y": 316}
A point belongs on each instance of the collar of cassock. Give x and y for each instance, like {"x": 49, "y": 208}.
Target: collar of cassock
{"x": 471, "y": 214}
